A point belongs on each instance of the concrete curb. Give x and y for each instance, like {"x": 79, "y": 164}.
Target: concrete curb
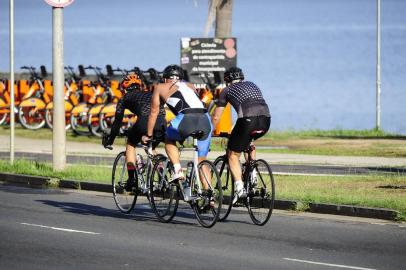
{"x": 322, "y": 208}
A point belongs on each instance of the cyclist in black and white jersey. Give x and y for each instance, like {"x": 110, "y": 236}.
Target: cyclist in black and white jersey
{"x": 138, "y": 102}
{"x": 253, "y": 114}
{"x": 182, "y": 99}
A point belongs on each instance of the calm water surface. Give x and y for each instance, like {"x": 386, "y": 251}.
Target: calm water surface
{"x": 314, "y": 59}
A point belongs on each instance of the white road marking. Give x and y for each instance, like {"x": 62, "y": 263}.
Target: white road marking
{"x": 58, "y": 229}
{"x": 329, "y": 264}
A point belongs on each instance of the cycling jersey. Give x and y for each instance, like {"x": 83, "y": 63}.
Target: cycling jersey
{"x": 191, "y": 116}
{"x": 246, "y": 99}
{"x": 184, "y": 98}
{"x": 139, "y": 103}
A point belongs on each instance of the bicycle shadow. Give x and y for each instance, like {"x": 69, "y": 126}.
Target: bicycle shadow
{"x": 142, "y": 212}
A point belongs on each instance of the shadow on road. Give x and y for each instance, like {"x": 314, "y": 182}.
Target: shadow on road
{"x": 142, "y": 211}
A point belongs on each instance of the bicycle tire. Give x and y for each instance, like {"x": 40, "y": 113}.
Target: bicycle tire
{"x": 49, "y": 119}
{"x": 31, "y": 122}
{"x": 163, "y": 196}
{"x": 207, "y": 206}
{"x": 125, "y": 201}
{"x": 94, "y": 125}
{"x": 261, "y": 192}
{"x": 3, "y": 115}
{"x": 79, "y": 126}
{"x": 227, "y": 184}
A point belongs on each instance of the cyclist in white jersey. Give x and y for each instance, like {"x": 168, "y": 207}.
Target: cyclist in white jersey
{"x": 181, "y": 98}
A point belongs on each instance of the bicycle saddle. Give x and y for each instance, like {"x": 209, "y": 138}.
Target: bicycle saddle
{"x": 197, "y": 134}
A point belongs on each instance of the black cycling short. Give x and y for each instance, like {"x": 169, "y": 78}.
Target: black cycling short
{"x": 140, "y": 128}
{"x": 240, "y": 137}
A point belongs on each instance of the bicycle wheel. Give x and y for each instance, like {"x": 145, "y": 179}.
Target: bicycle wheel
{"x": 164, "y": 197}
{"x": 94, "y": 125}
{"x": 4, "y": 110}
{"x": 31, "y": 117}
{"x": 227, "y": 186}
{"x": 260, "y": 192}
{"x": 207, "y": 205}
{"x": 49, "y": 119}
{"x": 124, "y": 200}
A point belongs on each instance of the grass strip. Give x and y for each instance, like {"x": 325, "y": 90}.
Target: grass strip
{"x": 382, "y": 191}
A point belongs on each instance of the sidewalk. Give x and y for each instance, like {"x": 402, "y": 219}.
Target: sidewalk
{"x": 79, "y": 148}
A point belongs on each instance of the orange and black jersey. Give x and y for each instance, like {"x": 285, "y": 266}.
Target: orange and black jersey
{"x": 139, "y": 103}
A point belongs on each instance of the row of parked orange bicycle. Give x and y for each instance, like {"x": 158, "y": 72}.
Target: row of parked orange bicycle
{"x": 90, "y": 99}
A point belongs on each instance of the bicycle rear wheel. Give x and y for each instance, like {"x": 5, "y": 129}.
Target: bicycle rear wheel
{"x": 164, "y": 197}
{"x": 260, "y": 192}
{"x": 207, "y": 205}
{"x": 124, "y": 200}
{"x": 227, "y": 186}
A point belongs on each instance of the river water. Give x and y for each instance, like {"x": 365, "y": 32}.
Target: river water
{"x": 315, "y": 60}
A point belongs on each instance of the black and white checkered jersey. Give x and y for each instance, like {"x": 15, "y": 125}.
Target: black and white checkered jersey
{"x": 246, "y": 99}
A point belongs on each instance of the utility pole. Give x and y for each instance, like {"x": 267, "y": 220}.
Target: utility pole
{"x": 59, "y": 132}
{"x": 12, "y": 120}
{"x": 378, "y": 65}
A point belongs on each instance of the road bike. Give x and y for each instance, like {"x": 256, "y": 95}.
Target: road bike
{"x": 201, "y": 189}
{"x": 125, "y": 200}
{"x": 258, "y": 182}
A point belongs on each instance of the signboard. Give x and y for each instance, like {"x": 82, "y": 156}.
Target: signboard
{"x": 59, "y": 3}
{"x": 208, "y": 58}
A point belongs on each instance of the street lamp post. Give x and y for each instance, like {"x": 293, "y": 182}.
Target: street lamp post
{"x": 12, "y": 120}
{"x": 378, "y": 65}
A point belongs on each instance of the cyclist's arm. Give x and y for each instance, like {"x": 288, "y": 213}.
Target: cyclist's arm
{"x": 118, "y": 119}
{"x": 215, "y": 117}
{"x": 220, "y": 105}
{"x": 155, "y": 102}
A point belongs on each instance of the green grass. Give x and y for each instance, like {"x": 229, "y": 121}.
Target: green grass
{"x": 365, "y": 191}
{"x": 99, "y": 174}
{"x": 334, "y": 133}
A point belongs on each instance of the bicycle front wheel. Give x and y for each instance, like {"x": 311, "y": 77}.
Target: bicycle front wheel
{"x": 261, "y": 192}
{"x": 227, "y": 186}
{"x": 164, "y": 196}
{"x": 207, "y": 205}
{"x": 125, "y": 200}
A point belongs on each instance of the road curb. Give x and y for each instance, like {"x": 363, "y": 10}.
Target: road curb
{"x": 322, "y": 208}
{"x": 350, "y": 210}
{"x": 22, "y": 179}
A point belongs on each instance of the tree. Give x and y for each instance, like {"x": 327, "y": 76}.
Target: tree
{"x": 220, "y": 12}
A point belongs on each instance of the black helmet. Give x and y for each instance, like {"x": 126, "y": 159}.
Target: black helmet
{"x": 232, "y": 74}
{"x": 172, "y": 71}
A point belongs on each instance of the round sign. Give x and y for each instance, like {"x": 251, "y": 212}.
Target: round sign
{"x": 59, "y": 3}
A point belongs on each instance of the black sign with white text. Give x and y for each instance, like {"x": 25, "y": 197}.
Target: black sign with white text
{"x": 207, "y": 57}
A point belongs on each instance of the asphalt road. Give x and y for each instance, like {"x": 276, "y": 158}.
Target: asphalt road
{"x": 66, "y": 229}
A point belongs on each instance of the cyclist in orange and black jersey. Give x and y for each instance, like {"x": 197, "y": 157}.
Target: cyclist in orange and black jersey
{"x": 138, "y": 102}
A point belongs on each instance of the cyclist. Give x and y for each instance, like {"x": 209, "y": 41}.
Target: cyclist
{"x": 253, "y": 114}
{"x": 190, "y": 115}
{"x": 138, "y": 102}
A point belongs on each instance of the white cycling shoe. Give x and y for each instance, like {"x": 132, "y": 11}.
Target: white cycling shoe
{"x": 242, "y": 193}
